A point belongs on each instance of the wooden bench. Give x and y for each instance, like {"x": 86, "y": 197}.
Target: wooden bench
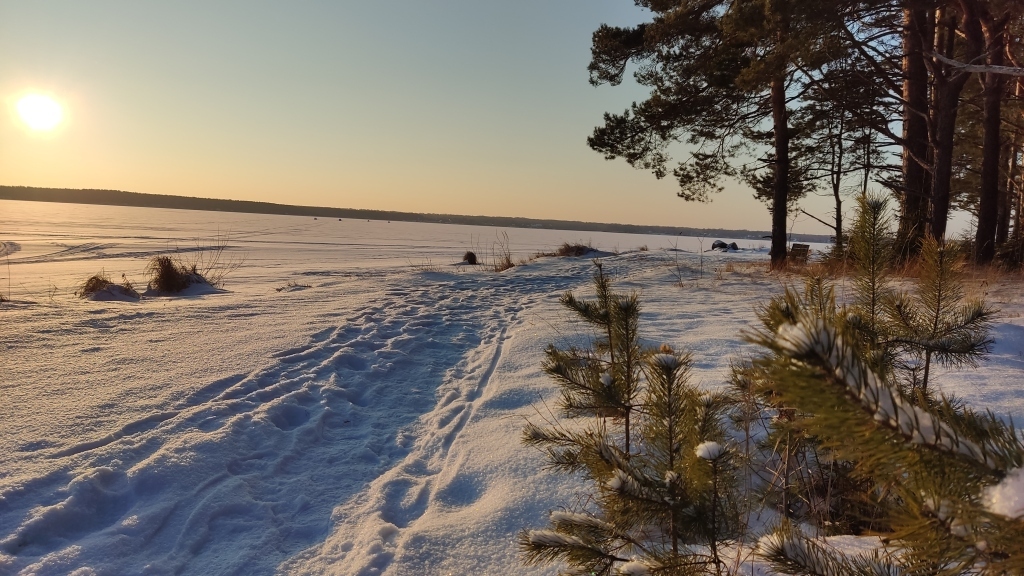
{"x": 798, "y": 253}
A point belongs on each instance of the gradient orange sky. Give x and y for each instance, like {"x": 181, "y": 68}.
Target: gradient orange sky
{"x": 447, "y": 106}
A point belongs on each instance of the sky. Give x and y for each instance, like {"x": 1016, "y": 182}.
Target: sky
{"x": 447, "y": 106}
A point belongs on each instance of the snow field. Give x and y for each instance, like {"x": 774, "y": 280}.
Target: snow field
{"x": 363, "y": 420}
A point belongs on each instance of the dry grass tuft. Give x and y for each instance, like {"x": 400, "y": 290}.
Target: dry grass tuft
{"x": 503, "y": 262}
{"x": 94, "y": 284}
{"x": 826, "y": 267}
{"x": 575, "y": 249}
{"x": 566, "y": 249}
{"x": 501, "y": 254}
{"x": 171, "y": 275}
{"x": 205, "y": 264}
{"x": 209, "y": 261}
{"x": 100, "y": 282}
{"x": 427, "y": 266}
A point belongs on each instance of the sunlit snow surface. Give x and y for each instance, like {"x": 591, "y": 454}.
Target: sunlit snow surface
{"x": 363, "y": 419}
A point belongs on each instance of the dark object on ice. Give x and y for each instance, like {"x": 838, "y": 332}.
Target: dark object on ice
{"x": 719, "y": 245}
{"x": 469, "y": 258}
{"x": 798, "y": 253}
{"x": 733, "y": 246}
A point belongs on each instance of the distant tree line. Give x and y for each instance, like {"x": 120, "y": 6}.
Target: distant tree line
{"x": 122, "y": 198}
{"x": 919, "y": 97}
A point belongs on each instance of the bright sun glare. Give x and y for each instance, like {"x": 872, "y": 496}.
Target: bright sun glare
{"x": 40, "y": 112}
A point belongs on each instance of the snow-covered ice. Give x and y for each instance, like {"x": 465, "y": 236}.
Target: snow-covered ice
{"x": 348, "y": 402}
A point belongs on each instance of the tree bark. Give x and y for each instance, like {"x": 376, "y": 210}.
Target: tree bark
{"x": 994, "y": 86}
{"x": 780, "y": 192}
{"x": 946, "y": 100}
{"x": 1003, "y": 217}
{"x": 915, "y": 197}
{"x": 1013, "y": 191}
{"x": 944, "y": 115}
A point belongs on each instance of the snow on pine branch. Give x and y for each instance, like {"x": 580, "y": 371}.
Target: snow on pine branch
{"x": 709, "y": 450}
{"x": 562, "y": 518}
{"x": 552, "y": 539}
{"x": 790, "y": 552}
{"x": 665, "y": 361}
{"x": 818, "y": 342}
{"x": 634, "y": 569}
{"x": 1007, "y": 497}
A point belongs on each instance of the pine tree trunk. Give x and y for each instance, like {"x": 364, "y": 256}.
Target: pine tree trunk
{"x": 840, "y": 242}
{"x": 914, "y": 200}
{"x": 1003, "y": 218}
{"x": 780, "y": 194}
{"x": 946, "y": 101}
{"x": 945, "y": 114}
{"x": 837, "y": 157}
{"x": 1013, "y": 192}
{"x": 988, "y": 203}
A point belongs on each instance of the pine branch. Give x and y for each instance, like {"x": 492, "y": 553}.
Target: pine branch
{"x": 819, "y": 345}
{"x": 549, "y": 546}
{"x": 790, "y": 552}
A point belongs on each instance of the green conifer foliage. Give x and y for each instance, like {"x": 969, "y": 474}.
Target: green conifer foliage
{"x": 602, "y": 381}
{"x": 836, "y": 426}
{"x": 871, "y": 251}
{"x": 798, "y": 475}
{"x": 939, "y": 460}
{"x": 937, "y": 323}
{"x": 666, "y": 505}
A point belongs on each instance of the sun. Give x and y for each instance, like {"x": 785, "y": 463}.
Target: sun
{"x": 40, "y": 112}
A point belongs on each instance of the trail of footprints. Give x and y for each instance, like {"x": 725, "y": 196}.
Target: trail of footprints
{"x": 285, "y": 445}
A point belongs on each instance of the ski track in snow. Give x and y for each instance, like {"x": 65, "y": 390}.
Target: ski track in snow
{"x": 96, "y": 251}
{"x": 256, "y": 462}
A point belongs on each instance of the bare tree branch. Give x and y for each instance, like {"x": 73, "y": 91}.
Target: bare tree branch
{"x": 979, "y": 68}
{"x": 806, "y": 213}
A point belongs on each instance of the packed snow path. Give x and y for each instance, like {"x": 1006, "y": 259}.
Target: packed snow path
{"x": 243, "y": 472}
